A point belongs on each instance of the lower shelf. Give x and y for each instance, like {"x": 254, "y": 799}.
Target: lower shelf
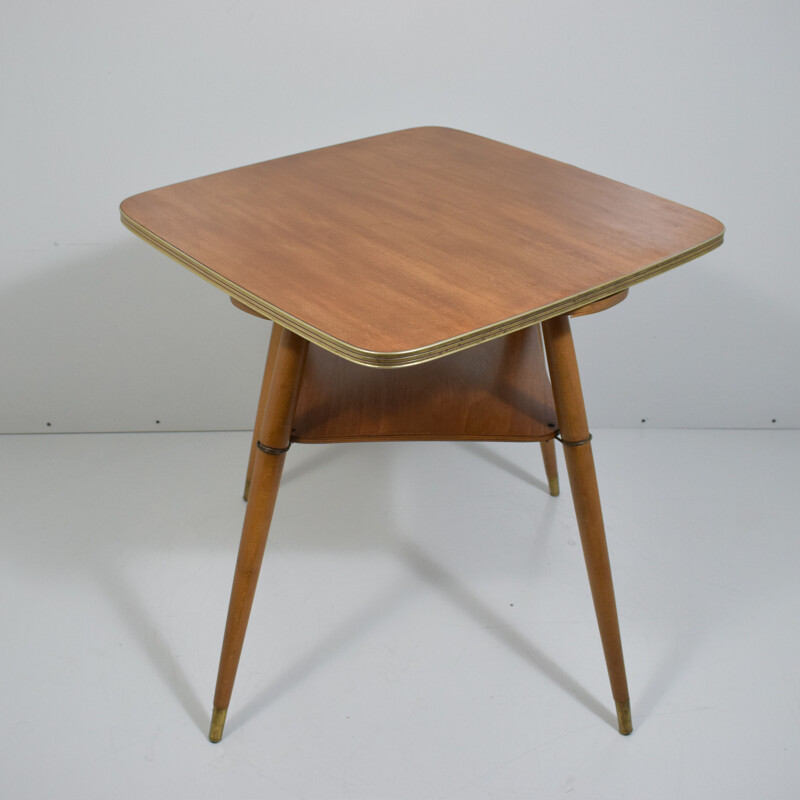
{"x": 497, "y": 391}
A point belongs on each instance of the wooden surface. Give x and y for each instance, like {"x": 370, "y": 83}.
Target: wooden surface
{"x": 582, "y": 311}
{"x": 586, "y": 499}
{"x": 403, "y": 247}
{"x": 274, "y": 431}
{"x": 497, "y": 391}
{"x": 272, "y": 354}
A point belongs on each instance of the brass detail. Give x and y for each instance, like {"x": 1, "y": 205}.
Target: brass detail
{"x": 600, "y": 305}
{"x": 574, "y": 444}
{"x": 405, "y": 358}
{"x": 554, "y": 488}
{"x": 217, "y": 724}
{"x": 273, "y": 451}
{"x": 624, "y": 717}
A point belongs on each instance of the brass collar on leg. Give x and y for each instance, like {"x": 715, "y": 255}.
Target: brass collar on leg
{"x": 573, "y": 444}
{"x": 272, "y": 451}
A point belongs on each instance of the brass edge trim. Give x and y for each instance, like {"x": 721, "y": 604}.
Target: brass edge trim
{"x": 420, "y": 355}
{"x": 263, "y": 308}
{"x": 604, "y": 305}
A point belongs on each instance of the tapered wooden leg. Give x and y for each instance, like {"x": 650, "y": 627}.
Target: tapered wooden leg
{"x": 583, "y": 481}
{"x": 272, "y": 351}
{"x": 550, "y": 465}
{"x": 273, "y": 440}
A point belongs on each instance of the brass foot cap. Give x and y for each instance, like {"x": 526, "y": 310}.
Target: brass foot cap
{"x": 624, "y": 717}
{"x": 554, "y": 490}
{"x": 217, "y": 724}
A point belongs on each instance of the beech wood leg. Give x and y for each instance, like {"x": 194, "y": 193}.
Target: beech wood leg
{"x": 550, "y": 465}
{"x": 274, "y": 432}
{"x": 583, "y": 481}
{"x": 272, "y": 351}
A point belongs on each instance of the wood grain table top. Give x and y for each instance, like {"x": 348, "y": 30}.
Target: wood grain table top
{"x": 403, "y": 247}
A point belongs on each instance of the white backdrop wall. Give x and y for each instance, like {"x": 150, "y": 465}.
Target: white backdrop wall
{"x": 696, "y": 101}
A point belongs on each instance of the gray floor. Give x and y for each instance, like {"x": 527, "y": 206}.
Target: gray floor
{"x": 423, "y": 627}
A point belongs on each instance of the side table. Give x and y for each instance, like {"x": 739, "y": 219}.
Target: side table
{"x": 410, "y": 278}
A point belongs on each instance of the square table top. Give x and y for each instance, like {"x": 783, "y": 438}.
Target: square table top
{"x": 403, "y": 247}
